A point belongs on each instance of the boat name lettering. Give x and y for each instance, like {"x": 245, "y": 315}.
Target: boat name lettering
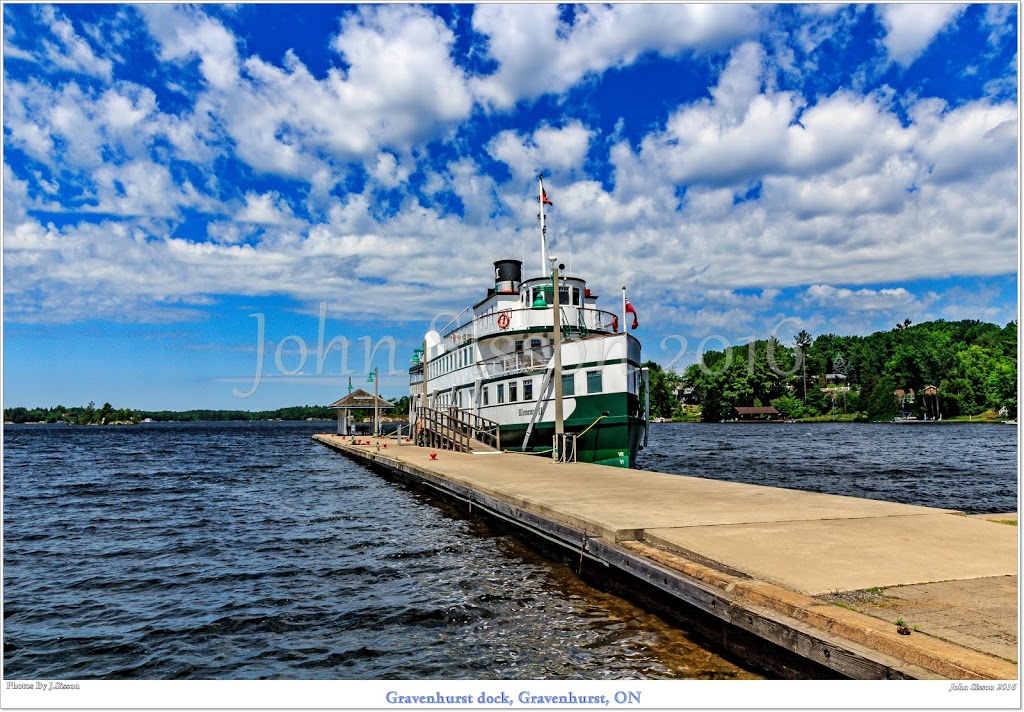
{"x": 526, "y": 411}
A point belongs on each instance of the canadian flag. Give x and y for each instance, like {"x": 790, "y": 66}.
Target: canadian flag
{"x": 631, "y": 310}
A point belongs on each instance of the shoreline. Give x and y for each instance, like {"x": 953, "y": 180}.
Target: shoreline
{"x": 958, "y": 420}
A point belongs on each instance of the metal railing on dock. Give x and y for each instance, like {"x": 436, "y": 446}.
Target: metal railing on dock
{"x": 455, "y": 429}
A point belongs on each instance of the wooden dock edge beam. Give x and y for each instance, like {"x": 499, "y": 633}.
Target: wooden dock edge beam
{"x": 851, "y": 644}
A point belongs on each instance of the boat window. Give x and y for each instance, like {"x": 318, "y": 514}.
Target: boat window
{"x": 568, "y": 384}
{"x": 527, "y": 389}
{"x": 512, "y": 392}
{"x": 563, "y": 296}
{"x": 519, "y": 345}
{"x": 576, "y": 297}
{"x": 535, "y": 343}
{"x": 484, "y": 391}
{"x": 593, "y": 381}
{"x": 501, "y": 393}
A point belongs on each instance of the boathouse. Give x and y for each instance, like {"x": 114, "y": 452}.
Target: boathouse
{"x": 356, "y": 400}
{"x": 760, "y": 413}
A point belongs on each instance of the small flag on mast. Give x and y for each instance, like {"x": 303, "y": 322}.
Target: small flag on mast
{"x": 631, "y": 310}
{"x": 544, "y": 198}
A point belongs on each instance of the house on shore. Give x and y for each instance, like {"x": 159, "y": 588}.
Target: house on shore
{"x": 686, "y": 394}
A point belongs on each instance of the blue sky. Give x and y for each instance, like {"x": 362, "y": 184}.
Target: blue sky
{"x": 170, "y": 171}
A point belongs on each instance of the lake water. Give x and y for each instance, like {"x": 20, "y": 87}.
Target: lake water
{"x": 971, "y": 467}
{"x": 247, "y": 551}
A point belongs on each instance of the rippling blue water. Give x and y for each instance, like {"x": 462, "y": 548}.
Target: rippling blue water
{"x": 970, "y": 467}
{"x": 246, "y": 550}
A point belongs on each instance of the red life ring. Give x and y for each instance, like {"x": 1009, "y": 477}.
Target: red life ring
{"x": 503, "y": 320}
{"x": 615, "y": 324}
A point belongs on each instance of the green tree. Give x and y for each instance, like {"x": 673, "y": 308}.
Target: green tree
{"x": 87, "y": 416}
{"x": 803, "y": 343}
{"x": 882, "y": 403}
{"x": 401, "y": 406}
{"x": 16, "y": 415}
{"x": 1001, "y": 385}
{"x": 662, "y": 385}
{"x": 789, "y": 406}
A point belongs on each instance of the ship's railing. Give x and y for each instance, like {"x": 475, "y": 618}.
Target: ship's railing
{"x": 517, "y": 361}
{"x": 523, "y": 317}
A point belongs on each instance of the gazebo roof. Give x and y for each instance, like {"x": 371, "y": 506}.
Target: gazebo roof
{"x": 361, "y": 399}
{"x": 744, "y": 410}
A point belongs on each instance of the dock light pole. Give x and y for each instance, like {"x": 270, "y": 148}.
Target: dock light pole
{"x": 374, "y": 378}
{"x": 557, "y": 311}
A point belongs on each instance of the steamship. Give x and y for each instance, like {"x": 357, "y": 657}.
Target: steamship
{"x": 497, "y": 361}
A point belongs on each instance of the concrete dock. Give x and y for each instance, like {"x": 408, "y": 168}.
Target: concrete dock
{"x": 816, "y": 578}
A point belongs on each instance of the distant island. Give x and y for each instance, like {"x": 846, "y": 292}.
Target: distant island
{"x": 961, "y": 370}
{"x": 108, "y": 415}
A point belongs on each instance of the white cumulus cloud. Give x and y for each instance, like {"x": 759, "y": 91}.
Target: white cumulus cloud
{"x": 537, "y": 53}
{"x": 397, "y": 85}
{"x": 910, "y": 28}
{"x": 560, "y": 149}
{"x": 68, "y": 50}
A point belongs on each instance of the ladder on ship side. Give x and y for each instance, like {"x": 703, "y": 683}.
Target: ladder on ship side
{"x": 456, "y": 429}
{"x": 580, "y": 327}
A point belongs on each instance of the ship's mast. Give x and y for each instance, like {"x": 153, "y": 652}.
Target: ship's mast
{"x": 543, "y": 229}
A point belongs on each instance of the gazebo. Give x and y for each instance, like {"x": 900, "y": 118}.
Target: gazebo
{"x": 356, "y": 400}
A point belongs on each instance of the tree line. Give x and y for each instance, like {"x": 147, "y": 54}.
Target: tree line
{"x": 971, "y": 364}
{"x": 108, "y": 415}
